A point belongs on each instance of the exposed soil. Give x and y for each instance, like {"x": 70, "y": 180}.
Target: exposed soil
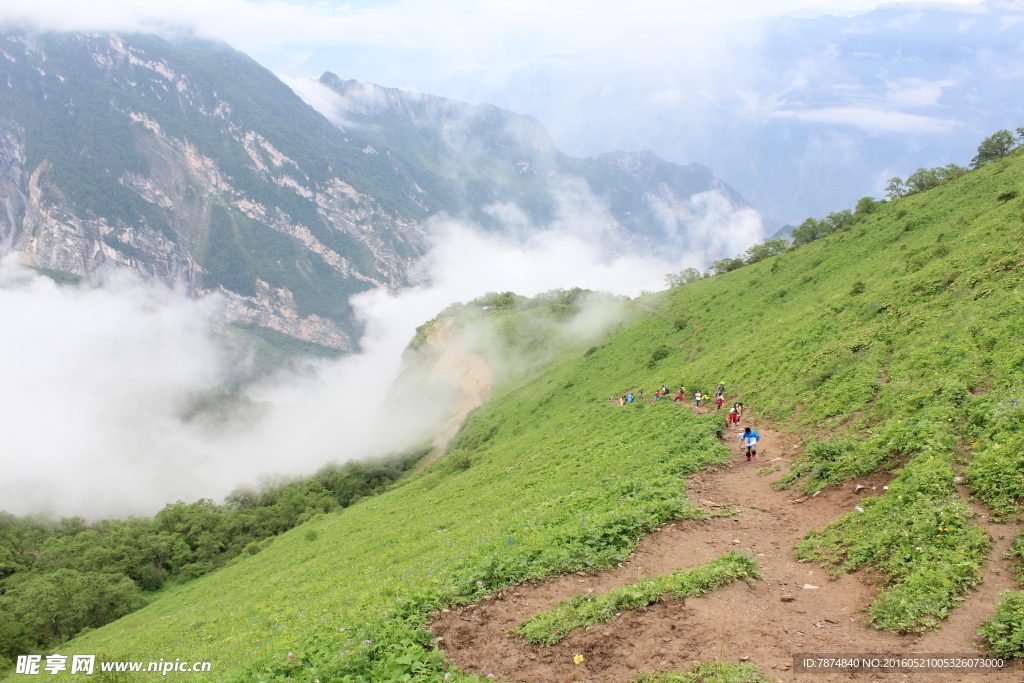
{"x": 474, "y": 378}
{"x": 740, "y": 620}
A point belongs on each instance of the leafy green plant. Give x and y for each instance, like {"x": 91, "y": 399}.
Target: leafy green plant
{"x": 550, "y": 626}
{"x": 1005, "y": 630}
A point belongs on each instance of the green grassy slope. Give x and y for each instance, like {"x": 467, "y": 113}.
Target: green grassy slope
{"x": 894, "y": 342}
{"x": 567, "y": 480}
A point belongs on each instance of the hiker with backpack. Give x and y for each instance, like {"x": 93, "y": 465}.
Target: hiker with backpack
{"x": 720, "y": 391}
{"x": 749, "y": 438}
{"x": 734, "y": 417}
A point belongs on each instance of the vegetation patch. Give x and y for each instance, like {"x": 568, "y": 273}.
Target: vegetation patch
{"x": 1004, "y": 632}
{"x": 550, "y": 626}
{"x": 918, "y": 536}
{"x": 710, "y": 672}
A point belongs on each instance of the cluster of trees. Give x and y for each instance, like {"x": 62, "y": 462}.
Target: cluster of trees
{"x": 923, "y": 179}
{"x": 754, "y": 254}
{"x": 58, "y": 578}
{"x": 813, "y": 229}
{"x": 994, "y": 147}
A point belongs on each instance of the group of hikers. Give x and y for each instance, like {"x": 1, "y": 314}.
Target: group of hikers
{"x": 699, "y": 398}
{"x": 748, "y": 437}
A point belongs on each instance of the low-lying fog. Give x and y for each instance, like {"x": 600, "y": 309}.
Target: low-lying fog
{"x": 94, "y": 379}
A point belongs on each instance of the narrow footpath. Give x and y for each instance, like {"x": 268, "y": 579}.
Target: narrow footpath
{"x": 795, "y": 609}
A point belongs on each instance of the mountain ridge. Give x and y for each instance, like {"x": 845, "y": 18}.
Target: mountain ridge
{"x": 189, "y": 163}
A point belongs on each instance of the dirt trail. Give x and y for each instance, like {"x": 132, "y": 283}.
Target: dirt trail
{"x": 740, "y": 620}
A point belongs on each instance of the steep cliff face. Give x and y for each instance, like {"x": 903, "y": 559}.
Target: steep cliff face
{"x": 194, "y": 166}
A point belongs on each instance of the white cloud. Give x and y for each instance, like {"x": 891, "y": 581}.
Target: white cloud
{"x": 871, "y": 120}
{"x": 917, "y": 92}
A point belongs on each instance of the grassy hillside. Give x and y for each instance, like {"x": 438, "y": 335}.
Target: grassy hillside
{"x": 892, "y": 344}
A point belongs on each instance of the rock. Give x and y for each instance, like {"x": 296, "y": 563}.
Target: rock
{"x": 809, "y": 587}
{"x": 581, "y": 573}
{"x": 858, "y": 488}
{"x": 745, "y": 658}
{"x": 735, "y": 541}
{"x": 787, "y": 598}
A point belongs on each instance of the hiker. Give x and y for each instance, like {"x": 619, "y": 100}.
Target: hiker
{"x": 739, "y": 412}
{"x": 622, "y": 400}
{"x": 719, "y": 401}
{"x": 665, "y": 390}
{"x": 629, "y": 398}
{"x": 657, "y": 394}
{"x": 720, "y": 391}
{"x": 640, "y": 396}
{"x": 749, "y": 438}
{"x": 733, "y": 417}
{"x": 696, "y": 397}
{"x": 679, "y": 398}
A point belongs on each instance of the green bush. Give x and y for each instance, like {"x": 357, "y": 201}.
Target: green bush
{"x": 660, "y": 352}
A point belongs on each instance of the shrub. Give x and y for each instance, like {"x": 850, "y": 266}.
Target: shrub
{"x": 659, "y": 353}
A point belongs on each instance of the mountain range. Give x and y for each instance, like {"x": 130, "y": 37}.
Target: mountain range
{"x": 188, "y": 163}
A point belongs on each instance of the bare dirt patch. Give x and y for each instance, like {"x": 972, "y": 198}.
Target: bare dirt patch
{"x": 740, "y": 620}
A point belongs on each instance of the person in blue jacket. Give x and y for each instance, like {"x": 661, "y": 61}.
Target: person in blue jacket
{"x": 749, "y": 438}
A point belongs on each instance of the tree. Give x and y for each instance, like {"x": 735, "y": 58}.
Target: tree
{"x": 684, "y": 277}
{"x": 866, "y": 205}
{"x": 838, "y": 220}
{"x": 995, "y": 146}
{"x": 950, "y": 172}
{"x": 725, "y": 265}
{"x": 808, "y": 231}
{"x": 759, "y": 252}
{"x": 895, "y": 189}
